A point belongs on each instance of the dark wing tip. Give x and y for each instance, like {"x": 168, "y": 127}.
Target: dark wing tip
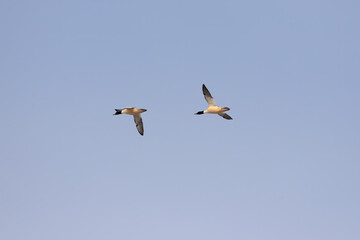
{"x": 206, "y": 92}
{"x": 204, "y": 87}
{"x": 227, "y": 117}
{"x": 139, "y": 124}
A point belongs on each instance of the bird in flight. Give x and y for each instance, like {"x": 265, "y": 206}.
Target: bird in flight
{"x": 137, "y": 116}
{"x": 213, "y": 108}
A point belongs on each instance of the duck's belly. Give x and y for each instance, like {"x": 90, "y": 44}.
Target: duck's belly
{"x": 133, "y": 111}
{"x": 215, "y": 110}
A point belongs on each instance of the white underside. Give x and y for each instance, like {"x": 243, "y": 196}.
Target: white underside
{"x": 132, "y": 111}
{"x": 215, "y": 110}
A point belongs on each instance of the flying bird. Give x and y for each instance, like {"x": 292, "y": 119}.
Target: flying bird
{"x": 137, "y": 116}
{"x": 213, "y": 108}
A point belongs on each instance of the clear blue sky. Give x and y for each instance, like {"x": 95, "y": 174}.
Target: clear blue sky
{"x": 287, "y": 166}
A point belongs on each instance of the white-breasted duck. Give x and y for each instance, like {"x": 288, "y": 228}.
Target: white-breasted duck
{"x": 137, "y": 116}
{"x": 213, "y": 108}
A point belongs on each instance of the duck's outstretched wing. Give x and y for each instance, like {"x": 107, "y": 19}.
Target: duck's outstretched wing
{"x": 139, "y": 123}
{"x": 208, "y": 97}
{"x": 224, "y": 115}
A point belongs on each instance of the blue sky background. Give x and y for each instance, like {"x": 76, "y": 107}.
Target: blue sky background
{"x": 287, "y": 166}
